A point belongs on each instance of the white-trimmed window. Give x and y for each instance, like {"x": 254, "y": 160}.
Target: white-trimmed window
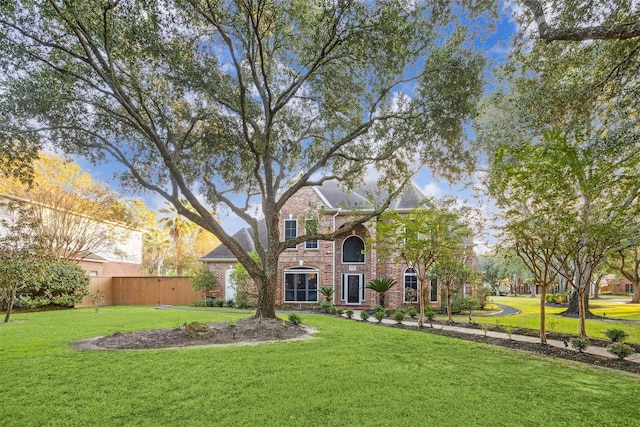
{"x": 434, "y": 289}
{"x": 410, "y": 288}
{"x": 301, "y": 284}
{"x": 290, "y": 230}
{"x": 353, "y": 250}
{"x": 311, "y": 227}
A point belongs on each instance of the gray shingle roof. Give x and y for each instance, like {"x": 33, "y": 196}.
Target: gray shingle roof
{"x": 243, "y": 237}
{"x": 330, "y": 192}
{"x": 362, "y": 196}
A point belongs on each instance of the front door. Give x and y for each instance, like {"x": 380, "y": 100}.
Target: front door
{"x": 353, "y": 284}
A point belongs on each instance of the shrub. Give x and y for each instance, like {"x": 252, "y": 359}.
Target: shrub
{"x": 63, "y": 284}
{"x": 388, "y": 312}
{"x": 364, "y": 314}
{"x": 461, "y": 303}
{"x": 242, "y": 299}
{"x": 294, "y": 318}
{"x": 549, "y": 298}
{"x": 378, "y": 308}
{"x": 327, "y": 292}
{"x": 559, "y": 298}
{"x": 332, "y": 309}
{"x": 579, "y": 344}
{"x": 210, "y": 302}
{"x": 231, "y": 303}
{"x": 620, "y": 349}
{"x": 399, "y": 315}
{"x": 412, "y": 312}
{"x": 616, "y": 335}
{"x": 203, "y": 280}
{"x": 429, "y": 313}
{"x": 339, "y": 311}
{"x": 219, "y": 302}
{"x": 324, "y": 306}
{"x": 379, "y": 315}
{"x": 349, "y": 313}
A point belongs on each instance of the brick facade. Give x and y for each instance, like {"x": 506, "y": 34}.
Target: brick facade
{"x": 326, "y": 261}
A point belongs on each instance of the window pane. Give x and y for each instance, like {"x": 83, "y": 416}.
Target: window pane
{"x": 353, "y": 250}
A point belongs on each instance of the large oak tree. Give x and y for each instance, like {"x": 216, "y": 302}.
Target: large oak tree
{"x": 229, "y": 105}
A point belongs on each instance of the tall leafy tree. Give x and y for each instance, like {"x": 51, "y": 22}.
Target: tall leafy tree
{"x": 626, "y": 261}
{"x": 231, "y": 105}
{"x": 72, "y": 212}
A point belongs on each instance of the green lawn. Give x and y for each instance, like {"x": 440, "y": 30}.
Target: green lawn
{"x": 530, "y": 317}
{"x": 350, "y": 373}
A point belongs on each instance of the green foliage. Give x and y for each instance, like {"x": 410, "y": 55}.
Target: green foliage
{"x": 231, "y": 303}
{"x": 616, "y": 335}
{"x": 620, "y": 349}
{"x": 399, "y": 315}
{"x": 364, "y": 314}
{"x": 203, "y": 280}
{"x": 388, "y": 312}
{"x": 381, "y": 285}
{"x": 349, "y": 313}
{"x": 294, "y": 318}
{"x": 327, "y": 292}
{"x": 62, "y": 285}
{"x": 242, "y": 299}
{"x": 461, "y": 303}
{"x": 339, "y": 311}
{"x": 429, "y": 312}
{"x": 412, "y": 312}
{"x": 579, "y": 344}
{"x": 379, "y": 315}
{"x": 378, "y": 307}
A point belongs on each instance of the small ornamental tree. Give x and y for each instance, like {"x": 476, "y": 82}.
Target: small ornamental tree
{"x": 418, "y": 238}
{"x": 203, "y": 280}
{"x": 24, "y": 256}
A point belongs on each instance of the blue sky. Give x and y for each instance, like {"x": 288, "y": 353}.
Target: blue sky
{"x": 495, "y": 46}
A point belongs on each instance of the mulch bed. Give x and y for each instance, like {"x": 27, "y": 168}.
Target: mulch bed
{"x": 537, "y": 348}
{"x": 242, "y": 331}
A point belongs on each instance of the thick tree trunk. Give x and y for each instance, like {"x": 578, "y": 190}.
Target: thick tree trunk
{"x": 10, "y": 304}
{"x": 635, "y": 299}
{"x": 574, "y": 306}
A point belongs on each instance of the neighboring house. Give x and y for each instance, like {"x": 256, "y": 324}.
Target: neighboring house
{"x": 122, "y": 257}
{"x": 346, "y": 264}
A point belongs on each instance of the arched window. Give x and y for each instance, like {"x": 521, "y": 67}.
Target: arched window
{"x": 410, "y": 286}
{"x": 353, "y": 250}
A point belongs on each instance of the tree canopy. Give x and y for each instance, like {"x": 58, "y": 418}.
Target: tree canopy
{"x": 235, "y": 104}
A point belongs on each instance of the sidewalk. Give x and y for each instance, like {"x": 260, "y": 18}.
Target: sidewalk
{"x": 598, "y": 351}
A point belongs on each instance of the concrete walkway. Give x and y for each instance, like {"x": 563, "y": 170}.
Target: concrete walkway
{"x": 599, "y": 351}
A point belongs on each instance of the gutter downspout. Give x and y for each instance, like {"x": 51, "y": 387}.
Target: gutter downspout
{"x": 333, "y": 260}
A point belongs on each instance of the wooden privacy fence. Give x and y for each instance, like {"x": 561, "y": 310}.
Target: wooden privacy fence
{"x": 154, "y": 290}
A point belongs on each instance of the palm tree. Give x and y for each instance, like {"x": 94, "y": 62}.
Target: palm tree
{"x": 156, "y": 243}
{"x": 178, "y": 228}
{"x": 381, "y": 286}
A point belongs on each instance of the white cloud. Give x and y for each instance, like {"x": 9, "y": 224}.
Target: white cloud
{"x": 432, "y": 189}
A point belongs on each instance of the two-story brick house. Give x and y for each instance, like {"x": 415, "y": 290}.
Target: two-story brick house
{"x": 346, "y": 264}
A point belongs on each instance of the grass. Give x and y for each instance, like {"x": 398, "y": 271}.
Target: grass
{"x": 530, "y": 317}
{"x": 350, "y": 373}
